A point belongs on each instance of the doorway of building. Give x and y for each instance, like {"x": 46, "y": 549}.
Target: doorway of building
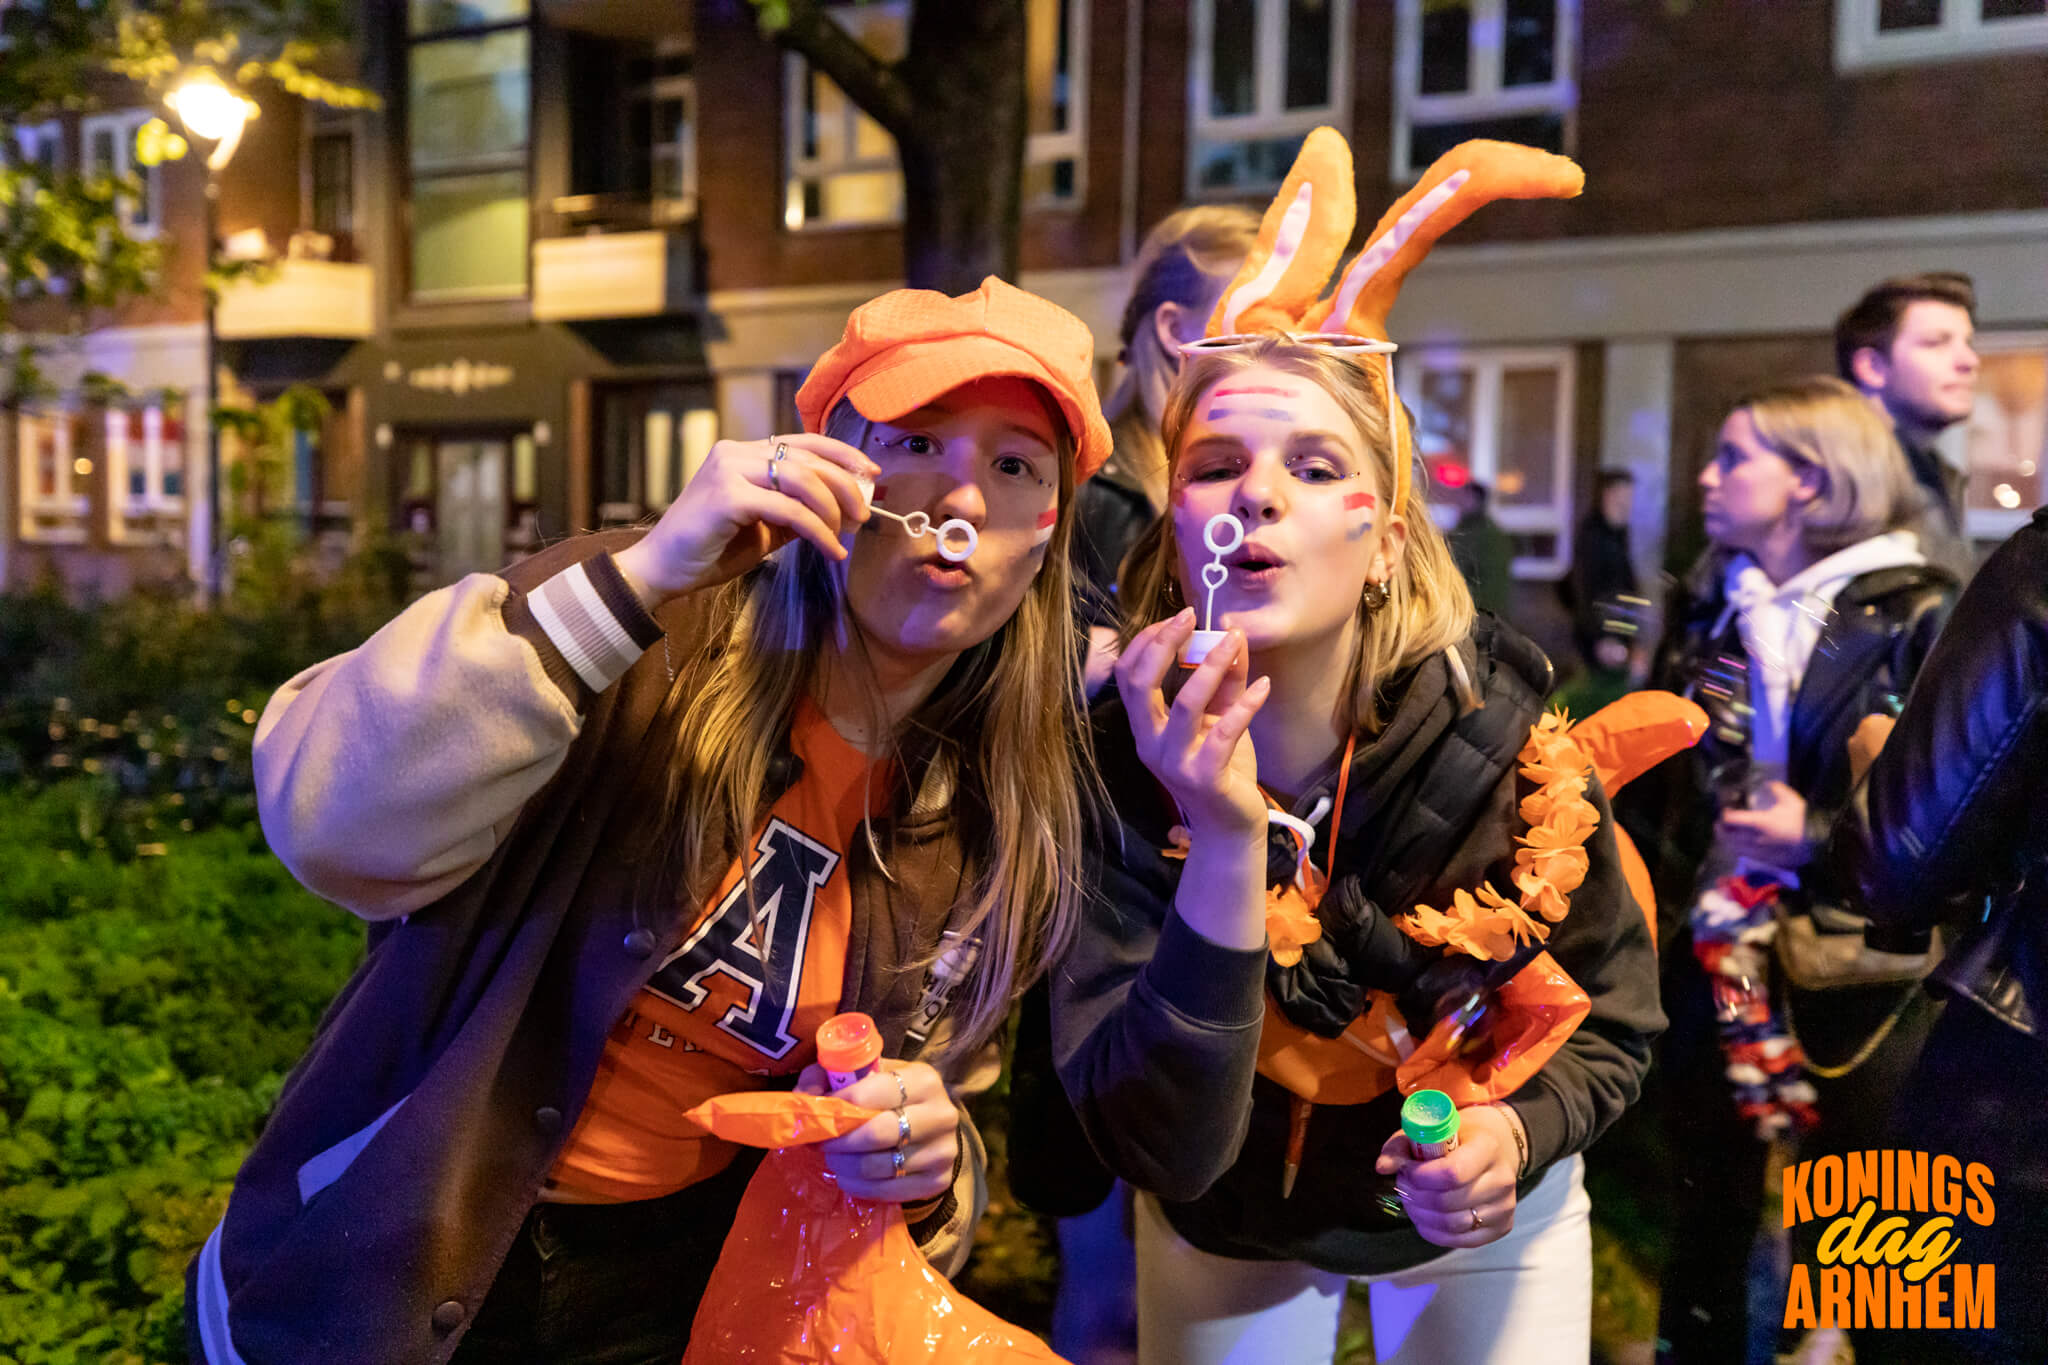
{"x": 468, "y": 500}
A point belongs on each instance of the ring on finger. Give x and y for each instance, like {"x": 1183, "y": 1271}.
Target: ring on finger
{"x": 1477, "y": 1221}
{"x": 902, "y": 1129}
{"x": 902, "y": 1090}
{"x": 896, "y": 1163}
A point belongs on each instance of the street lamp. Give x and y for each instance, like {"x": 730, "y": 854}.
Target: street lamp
{"x": 212, "y": 113}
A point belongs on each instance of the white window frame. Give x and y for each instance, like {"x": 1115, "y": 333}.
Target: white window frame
{"x": 1269, "y": 118}
{"x": 683, "y": 152}
{"x": 124, "y": 124}
{"x": 1070, "y": 145}
{"x": 1962, "y": 33}
{"x": 795, "y": 72}
{"x": 60, "y": 518}
{"x": 1486, "y": 364}
{"x": 1996, "y": 523}
{"x": 140, "y": 520}
{"x": 1484, "y": 96}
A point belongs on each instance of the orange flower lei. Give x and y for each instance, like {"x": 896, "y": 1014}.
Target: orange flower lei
{"x": 1550, "y": 860}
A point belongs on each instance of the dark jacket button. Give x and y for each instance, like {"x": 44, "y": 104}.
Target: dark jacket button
{"x": 548, "y": 1119}
{"x": 449, "y": 1316}
{"x": 640, "y": 943}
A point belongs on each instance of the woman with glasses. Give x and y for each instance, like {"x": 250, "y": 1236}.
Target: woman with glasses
{"x": 1814, "y": 610}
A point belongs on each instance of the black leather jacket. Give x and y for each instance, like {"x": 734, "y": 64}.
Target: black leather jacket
{"x": 1950, "y": 823}
{"x": 1883, "y": 625}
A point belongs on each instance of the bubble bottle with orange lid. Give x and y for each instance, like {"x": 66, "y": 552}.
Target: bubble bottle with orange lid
{"x": 849, "y": 1048}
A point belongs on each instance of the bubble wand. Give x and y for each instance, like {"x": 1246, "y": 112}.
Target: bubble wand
{"x": 957, "y": 539}
{"x": 1214, "y": 575}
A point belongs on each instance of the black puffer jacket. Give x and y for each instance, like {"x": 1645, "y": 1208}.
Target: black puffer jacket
{"x": 1870, "y": 650}
{"x": 1951, "y": 812}
{"x": 1156, "y": 1029}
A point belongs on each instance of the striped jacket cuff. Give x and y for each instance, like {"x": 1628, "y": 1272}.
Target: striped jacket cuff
{"x": 593, "y": 618}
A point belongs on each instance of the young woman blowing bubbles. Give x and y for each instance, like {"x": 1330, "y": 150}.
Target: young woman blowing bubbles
{"x": 1354, "y": 690}
{"x": 631, "y": 820}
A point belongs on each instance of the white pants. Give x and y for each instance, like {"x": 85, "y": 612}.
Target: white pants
{"x": 1526, "y": 1299}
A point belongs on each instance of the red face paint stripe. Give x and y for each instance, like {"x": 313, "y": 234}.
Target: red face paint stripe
{"x": 1354, "y": 501}
{"x": 1052, "y": 516}
{"x": 1252, "y": 388}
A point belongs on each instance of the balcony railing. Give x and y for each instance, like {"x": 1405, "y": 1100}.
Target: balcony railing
{"x": 624, "y": 258}
{"x": 303, "y": 298}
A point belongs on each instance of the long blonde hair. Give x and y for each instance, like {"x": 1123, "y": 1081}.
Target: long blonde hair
{"x": 1428, "y": 606}
{"x": 1187, "y": 258}
{"x": 1867, "y": 486}
{"x": 1000, "y": 741}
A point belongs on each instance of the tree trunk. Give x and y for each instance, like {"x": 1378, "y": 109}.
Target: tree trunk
{"x": 963, "y": 155}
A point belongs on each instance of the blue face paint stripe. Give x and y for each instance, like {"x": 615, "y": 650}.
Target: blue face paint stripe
{"x": 1270, "y": 414}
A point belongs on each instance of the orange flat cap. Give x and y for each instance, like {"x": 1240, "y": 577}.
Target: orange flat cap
{"x": 909, "y": 346}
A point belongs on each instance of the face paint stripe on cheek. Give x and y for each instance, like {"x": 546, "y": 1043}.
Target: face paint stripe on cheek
{"x": 1354, "y": 501}
{"x": 1045, "y": 526}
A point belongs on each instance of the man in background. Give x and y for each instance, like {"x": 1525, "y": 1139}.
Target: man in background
{"x": 1908, "y": 345}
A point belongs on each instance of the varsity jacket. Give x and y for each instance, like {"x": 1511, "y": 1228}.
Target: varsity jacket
{"x": 1156, "y": 1028}
{"x": 465, "y": 781}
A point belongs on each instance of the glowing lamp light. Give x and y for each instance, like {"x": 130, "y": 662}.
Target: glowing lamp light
{"x": 1452, "y": 474}
{"x": 207, "y": 108}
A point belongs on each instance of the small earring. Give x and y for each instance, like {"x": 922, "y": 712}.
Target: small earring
{"x": 1374, "y": 597}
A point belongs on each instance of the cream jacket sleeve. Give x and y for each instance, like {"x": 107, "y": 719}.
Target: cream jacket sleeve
{"x": 386, "y": 776}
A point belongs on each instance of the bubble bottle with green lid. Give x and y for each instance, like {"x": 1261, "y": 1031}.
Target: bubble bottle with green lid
{"x": 1430, "y": 1120}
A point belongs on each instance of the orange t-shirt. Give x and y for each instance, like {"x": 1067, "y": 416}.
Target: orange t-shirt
{"x": 740, "y": 999}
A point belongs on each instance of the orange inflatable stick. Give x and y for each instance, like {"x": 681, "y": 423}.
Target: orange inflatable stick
{"x": 1628, "y": 737}
{"x": 1301, "y": 239}
{"x": 778, "y": 1118}
{"x": 1463, "y": 179}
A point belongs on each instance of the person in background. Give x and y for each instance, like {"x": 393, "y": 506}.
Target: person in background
{"x": 1485, "y": 553}
{"x": 631, "y": 820}
{"x": 1185, "y": 262}
{"x": 1604, "y": 597}
{"x": 1823, "y": 613}
{"x": 1182, "y": 268}
{"x": 1946, "y": 830}
{"x": 1908, "y": 345}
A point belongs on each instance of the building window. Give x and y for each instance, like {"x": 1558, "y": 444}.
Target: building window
{"x": 330, "y": 188}
{"x": 54, "y": 474}
{"x": 1879, "y": 33}
{"x": 1263, "y": 73}
{"x": 1506, "y": 417}
{"x": 145, "y": 454}
{"x": 468, "y": 116}
{"x": 40, "y": 144}
{"x": 1503, "y": 69}
{"x": 662, "y": 135}
{"x": 842, "y": 164}
{"x": 652, "y": 439}
{"x": 2006, "y": 437}
{"x": 107, "y": 147}
{"x": 1056, "y": 64}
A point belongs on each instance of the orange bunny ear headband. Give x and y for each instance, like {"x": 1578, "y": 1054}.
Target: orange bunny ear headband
{"x": 1305, "y": 231}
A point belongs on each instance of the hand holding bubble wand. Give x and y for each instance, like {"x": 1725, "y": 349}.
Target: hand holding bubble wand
{"x": 1222, "y": 534}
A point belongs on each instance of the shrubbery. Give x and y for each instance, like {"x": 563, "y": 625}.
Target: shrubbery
{"x": 151, "y": 1007}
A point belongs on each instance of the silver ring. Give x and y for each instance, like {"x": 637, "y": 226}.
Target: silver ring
{"x": 902, "y": 1129}
{"x": 781, "y": 452}
{"x": 774, "y": 476}
{"x": 896, "y": 1163}
{"x": 902, "y": 1090}
{"x": 1477, "y": 1221}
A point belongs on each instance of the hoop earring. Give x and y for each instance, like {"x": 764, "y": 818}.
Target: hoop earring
{"x": 1374, "y": 597}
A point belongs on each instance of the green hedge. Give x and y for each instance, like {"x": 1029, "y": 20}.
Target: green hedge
{"x": 151, "y": 1006}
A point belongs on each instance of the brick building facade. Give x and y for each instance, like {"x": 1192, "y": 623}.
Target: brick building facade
{"x": 596, "y": 235}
